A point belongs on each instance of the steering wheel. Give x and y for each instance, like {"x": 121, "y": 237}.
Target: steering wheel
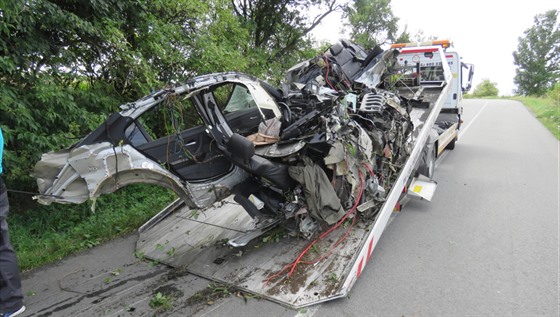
{"x": 286, "y": 113}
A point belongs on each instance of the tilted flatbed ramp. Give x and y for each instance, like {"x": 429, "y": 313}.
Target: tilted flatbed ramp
{"x": 197, "y": 245}
{"x": 195, "y": 240}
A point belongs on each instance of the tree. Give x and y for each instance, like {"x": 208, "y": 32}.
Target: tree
{"x": 486, "y": 89}
{"x": 421, "y": 37}
{"x": 66, "y": 64}
{"x": 538, "y": 56}
{"x": 278, "y": 28}
{"x": 372, "y": 22}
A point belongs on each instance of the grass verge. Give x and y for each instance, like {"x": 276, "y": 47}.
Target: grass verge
{"x": 546, "y": 110}
{"x": 44, "y": 234}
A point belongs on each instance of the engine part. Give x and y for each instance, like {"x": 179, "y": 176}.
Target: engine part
{"x": 372, "y": 102}
{"x": 308, "y": 226}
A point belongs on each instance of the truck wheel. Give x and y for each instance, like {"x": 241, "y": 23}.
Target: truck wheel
{"x": 428, "y": 163}
{"x": 451, "y": 144}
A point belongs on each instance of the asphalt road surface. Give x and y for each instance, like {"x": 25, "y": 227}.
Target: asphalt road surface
{"x": 487, "y": 245}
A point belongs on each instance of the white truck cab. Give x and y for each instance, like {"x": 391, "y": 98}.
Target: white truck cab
{"x": 428, "y": 69}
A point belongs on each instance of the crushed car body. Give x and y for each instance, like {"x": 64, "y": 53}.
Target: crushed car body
{"x": 161, "y": 139}
{"x": 330, "y": 130}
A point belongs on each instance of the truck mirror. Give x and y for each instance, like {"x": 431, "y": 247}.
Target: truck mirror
{"x": 466, "y": 86}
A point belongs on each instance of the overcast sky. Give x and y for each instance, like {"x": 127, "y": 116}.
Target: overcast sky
{"x": 484, "y": 32}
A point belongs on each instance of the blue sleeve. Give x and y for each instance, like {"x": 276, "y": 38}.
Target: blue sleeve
{"x": 1, "y": 149}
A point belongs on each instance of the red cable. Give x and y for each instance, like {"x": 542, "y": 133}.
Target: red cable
{"x": 276, "y": 274}
{"x": 368, "y": 168}
{"x": 332, "y": 228}
{"x": 334, "y": 245}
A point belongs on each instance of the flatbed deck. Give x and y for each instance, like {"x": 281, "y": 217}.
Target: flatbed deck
{"x": 199, "y": 246}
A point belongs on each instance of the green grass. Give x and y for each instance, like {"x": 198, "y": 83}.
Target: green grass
{"x": 546, "y": 110}
{"x": 161, "y": 302}
{"x": 44, "y": 234}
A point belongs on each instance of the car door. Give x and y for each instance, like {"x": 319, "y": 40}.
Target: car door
{"x": 182, "y": 144}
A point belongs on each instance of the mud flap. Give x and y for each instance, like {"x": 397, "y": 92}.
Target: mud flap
{"x": 422, "y": 188}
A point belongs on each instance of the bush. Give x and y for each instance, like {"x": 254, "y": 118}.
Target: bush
{"x": 485, "y": 89}
{"x": 554, "y": 93}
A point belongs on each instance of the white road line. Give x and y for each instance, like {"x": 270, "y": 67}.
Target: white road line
{"x": 461, "y": 133}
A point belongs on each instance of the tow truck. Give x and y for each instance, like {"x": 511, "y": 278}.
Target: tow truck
{"x": 284, "y": 193}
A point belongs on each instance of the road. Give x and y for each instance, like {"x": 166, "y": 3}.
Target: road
{"x": 488, "y": 244}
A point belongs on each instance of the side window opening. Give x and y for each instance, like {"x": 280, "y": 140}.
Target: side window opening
{"x": 233, "y": 97}
{"x": 238, "y": 108}
{"x": 172, "y": 116}
{"x": 175, "y": 132}
{"x": 136, "y": 135}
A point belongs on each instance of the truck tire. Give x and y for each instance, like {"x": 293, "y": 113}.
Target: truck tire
{"x": 428, "y": 163}
{"x": 451, "y": 144}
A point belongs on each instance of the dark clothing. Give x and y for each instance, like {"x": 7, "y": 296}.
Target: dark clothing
{"x": 320, "y": 195}
{"x": 11, "y": 296}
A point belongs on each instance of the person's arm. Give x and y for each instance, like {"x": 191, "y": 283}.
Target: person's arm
{"x": 1, "y": 149}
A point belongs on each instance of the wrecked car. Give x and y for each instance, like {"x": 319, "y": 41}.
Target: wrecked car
{"x": 332, "y": 137}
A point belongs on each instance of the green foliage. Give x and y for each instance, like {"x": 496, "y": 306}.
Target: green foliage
{"x": 222, "y": 290}
{"x": 404, "y": 37}
{"x": 538, "y": 56}
{"x": 66, "y": 65}
{"x": 274, "y": 235}
{"x": 485, "y": 89}
{"x": 277, "y": 32}
{"x": 161, "y": 302}
{"x": 554, "y": 93}
{"x": 331, "y": 277}
{"x": 372, "y": 22}
{"x": 223, "y": 44}
{"x": 277, "y": 27}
